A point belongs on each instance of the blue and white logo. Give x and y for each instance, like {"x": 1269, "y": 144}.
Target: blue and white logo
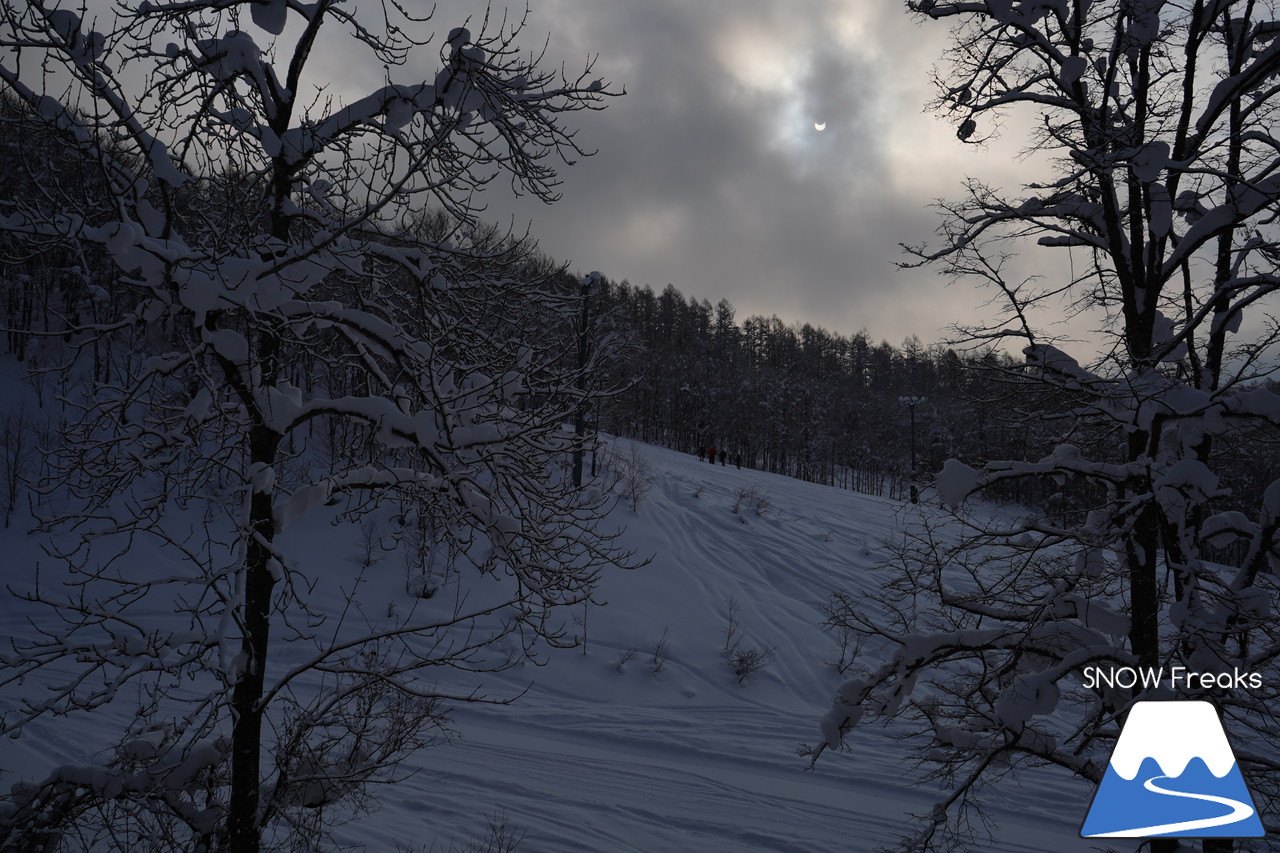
{"x": 1172, "y": 775}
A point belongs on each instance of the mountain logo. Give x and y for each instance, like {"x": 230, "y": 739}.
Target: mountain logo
{"x": 1172, "y": 775}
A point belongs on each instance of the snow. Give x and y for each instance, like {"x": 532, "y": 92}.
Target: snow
{"x": 230, "y": 56}
{"x": 1031, "y": 695}
{"x": 1161, "y": 211}
{"x": 1163, "y": 334}
{"x": 1002, "y": 10}
{"x": 1145, "y": 26}
{"x": 956, "y": 481}
{"x": 270, "y": 15}
{"x": 845, "y": 711}
{"x": 1186, "y": 483}
{"x": 229, "y": 344}
{"x": 1057, "y": 365}
{"x": 1223, "y": 528}
{"x": 1149, "y": 160}
{"x": 1073, "y": 68}
{"x": 600, "y": 755}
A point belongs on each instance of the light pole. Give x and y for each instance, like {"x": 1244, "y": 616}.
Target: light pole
{"x": 911, "y": 401}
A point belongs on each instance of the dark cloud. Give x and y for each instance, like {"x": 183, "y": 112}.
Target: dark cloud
{"x": 710, "y": 174}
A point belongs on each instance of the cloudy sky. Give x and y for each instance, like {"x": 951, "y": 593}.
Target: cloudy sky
{"x": 710, "y": 174}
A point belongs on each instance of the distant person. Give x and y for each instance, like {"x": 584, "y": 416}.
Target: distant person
{"x": 724, "y": 458}
{"x": 711, "y": 456}
{"x": 702, "y": 453}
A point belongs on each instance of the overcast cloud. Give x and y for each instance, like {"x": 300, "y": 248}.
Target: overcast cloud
{"x": 710, "y": 174}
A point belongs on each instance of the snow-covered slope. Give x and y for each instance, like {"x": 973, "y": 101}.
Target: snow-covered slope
{"x": 597, "y": 757}
{"x": 603, "y": 753}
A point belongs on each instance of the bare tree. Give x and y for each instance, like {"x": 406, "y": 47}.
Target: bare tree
{"x": 18, "y": 457}
{"x": 1156, "y": 220}
{"x": 275, "y": 280}
{"x": 633, "y": 474}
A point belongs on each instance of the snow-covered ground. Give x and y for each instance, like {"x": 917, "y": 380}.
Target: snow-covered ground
{"x": 598, "y": 756}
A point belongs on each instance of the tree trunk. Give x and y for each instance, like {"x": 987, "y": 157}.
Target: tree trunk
{"x": 243, "y": 824}
{"x": 1142, "y": 549}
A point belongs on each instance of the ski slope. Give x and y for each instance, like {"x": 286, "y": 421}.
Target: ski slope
{"x": 612, "y": 757}
{"x": 597, "y": 758}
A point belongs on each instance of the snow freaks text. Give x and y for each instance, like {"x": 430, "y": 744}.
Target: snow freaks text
{"x": 1174, "y": 677}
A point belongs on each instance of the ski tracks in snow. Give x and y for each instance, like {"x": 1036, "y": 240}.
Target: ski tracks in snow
{"x": 583, "y": 794}
{"x": 597, "y": 789}
{"x": 605, "y": 757}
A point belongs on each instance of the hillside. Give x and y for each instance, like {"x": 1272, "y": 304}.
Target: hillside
{"x": 597, "y": 759}
{"x": 598, "y": 756}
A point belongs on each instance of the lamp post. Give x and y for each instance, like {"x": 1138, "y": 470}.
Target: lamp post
{"x": 911, "y": 401}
